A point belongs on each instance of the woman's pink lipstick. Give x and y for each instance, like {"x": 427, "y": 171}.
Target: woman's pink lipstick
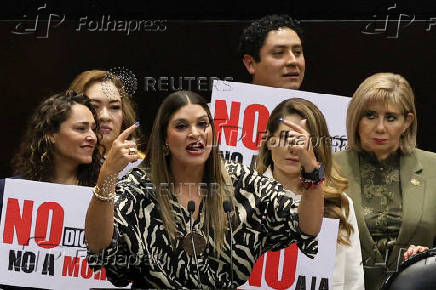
{"x": 380, "y": 141}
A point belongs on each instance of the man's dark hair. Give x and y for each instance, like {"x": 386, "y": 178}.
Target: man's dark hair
{"x": 253, "y": 37}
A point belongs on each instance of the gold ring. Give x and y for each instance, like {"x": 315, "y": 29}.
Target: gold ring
{"x": 132, "y": 150}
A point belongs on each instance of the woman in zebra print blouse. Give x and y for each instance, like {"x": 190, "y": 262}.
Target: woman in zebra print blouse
{"x": 146, "y": 237}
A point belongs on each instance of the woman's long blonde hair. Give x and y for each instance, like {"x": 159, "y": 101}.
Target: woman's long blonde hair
{"x": 214, "y": 172}
{"x": 335, "y": 202}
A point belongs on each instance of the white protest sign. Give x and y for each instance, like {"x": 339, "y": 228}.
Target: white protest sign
{"x": 42, "y": 239}
{"x": 241, "y": 113}
{"x": 291, "y": 269}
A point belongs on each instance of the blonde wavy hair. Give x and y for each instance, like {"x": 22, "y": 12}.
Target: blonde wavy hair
{"x": 336, "y": 204}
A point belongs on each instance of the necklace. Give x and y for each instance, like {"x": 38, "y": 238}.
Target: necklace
{"x": 191, "y": 238}
{"x": 199, "y": 242}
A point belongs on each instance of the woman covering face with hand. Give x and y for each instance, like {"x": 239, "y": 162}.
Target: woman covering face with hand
{"x": 169, "y": 215}
{"x": 114, "y": 107}
{"x": 391, "y": 181}
{"x": 279, "y": 159}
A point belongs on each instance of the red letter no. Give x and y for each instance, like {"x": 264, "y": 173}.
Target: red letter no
{"x": 57, "y": 223}
{"x": 21, "y": 223}
{"x": 228, "y": 125}
{"x": 289, "y": 265}
{"x": 249, "y": 122}
{"x": 256, "y": 273}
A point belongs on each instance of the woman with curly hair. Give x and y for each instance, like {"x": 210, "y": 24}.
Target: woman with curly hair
{"x": 60, "y": 143}
{"x": 277, "y": 159}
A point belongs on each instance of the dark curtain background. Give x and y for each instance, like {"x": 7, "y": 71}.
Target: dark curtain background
{"x": 194, "y": 42}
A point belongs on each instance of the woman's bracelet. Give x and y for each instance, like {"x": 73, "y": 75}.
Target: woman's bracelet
{"x": 107, "y": 192}
{"x": 309, "y": 183}
{"x": 97, "y": 194}
{"x": 313, "y": 179}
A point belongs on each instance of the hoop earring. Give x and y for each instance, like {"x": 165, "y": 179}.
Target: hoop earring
{"x": 44, "y": 156}
{"x": 166, "y": 150}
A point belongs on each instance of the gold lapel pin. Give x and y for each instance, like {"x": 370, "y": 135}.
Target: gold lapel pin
{"x": 415, "y": 182}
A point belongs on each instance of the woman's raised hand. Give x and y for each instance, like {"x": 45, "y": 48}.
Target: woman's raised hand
{"x": 301, "y": 145}
{"x": 122, "y": 152}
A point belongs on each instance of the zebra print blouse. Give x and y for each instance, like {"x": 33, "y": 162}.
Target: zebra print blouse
{"x": 141, "y": 252}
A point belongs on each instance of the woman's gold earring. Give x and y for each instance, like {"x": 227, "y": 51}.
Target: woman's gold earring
{"x": 44, "y": 156}
{"x": 166, "y": 150}
{"x": 49, "y": 142}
